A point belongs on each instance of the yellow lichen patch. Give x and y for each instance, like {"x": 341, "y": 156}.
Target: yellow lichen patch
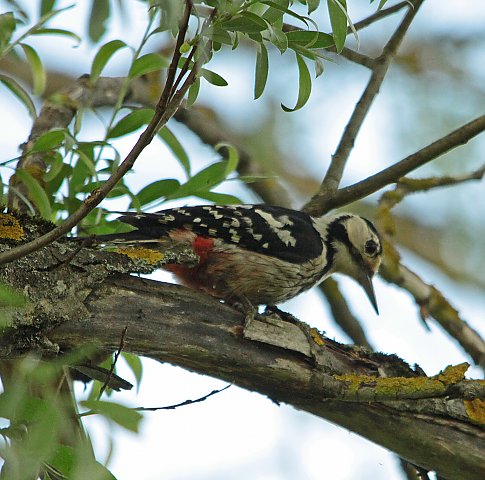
{"x": 145, "y": 254}
{"x": 453, "y": 374}
{"x": 404, "y": 386}
{"x": 392, "y": 387}
{"x": 475, "y": 410}
{"x": 317, "y": 338}
{"x": 10, "y": 227}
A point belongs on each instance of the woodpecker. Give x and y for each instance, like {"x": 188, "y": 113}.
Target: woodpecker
{"x": 251, "y": 255}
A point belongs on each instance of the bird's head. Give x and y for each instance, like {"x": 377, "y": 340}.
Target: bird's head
{"x": 357, "y": 250}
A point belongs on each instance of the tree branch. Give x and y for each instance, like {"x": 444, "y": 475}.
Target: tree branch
{"x": 159, "y": 315}
{"x": 335, "y": 172}
{"x": 165, "y": 109}
{"x": 393, "y": 173}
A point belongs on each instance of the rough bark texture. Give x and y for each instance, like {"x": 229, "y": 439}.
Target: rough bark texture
{"x": 90, "y": 298}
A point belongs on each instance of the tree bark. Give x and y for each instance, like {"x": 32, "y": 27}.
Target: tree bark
{"x": 89, "y": 298}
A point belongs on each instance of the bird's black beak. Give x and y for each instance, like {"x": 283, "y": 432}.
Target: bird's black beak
{"x": 365, "y": 281}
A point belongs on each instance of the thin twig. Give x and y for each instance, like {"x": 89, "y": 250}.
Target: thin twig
{"x": 184, "y": 403}
{"x": 160, "y": 117}
{"x": 172, "y": 69}
{"x": 113, "y": 365}
{"x": 393, "y": 173}
{"x": 379, "y": 15}
{"x": 335, "y": 172}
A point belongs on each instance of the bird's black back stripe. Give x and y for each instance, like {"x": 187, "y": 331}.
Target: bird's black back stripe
{"x": 290, "y": 237}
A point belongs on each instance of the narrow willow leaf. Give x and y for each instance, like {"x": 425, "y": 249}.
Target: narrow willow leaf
{"x": 38, "y": 72}
{"x": 176, "y": 147}
{"x": 100, "y": 12}
{"x": 131, "y": 122}
{"x": 245, "y": 22}
{"x": 304, "y": 87}
{"x": 218, "y": 35}
{"x": 261, "y": 71}
{"x": 338, "y": 20}
{"x": 219, "y": 198}
{"x": 231, "y": 154}
{"x": 124, "y": 416}
{"x": 7, "y": 27}
{"x": 46, "y": 6}
{"x": 193, "y": 93}
{"x": 157, "y": 191}
{"x": 103, "y": 56}
{"x": 58, "y": 31}
{"x": 278, "y": 38}
{"x": 203, "y": 181}
{"x": 135, "y": 364}
{"x": 312, "y": 5}
{"x": 20, "y": 93}
{"x": 49, "y": 140}
{"x": 213, "y": 78}
{"x": 56, "y": 165}
{"x": 151, "y": 62}
{"x": 309, "y": 39}
{"x": 37, "y": 194}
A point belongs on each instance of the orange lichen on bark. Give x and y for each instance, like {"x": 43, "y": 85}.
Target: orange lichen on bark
{"x": 10, "y": 227}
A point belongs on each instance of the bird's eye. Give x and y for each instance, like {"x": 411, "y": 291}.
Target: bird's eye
{"x": 371, "y": 248}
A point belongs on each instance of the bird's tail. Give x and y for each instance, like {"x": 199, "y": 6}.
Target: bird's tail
{"x": 127, "y": 238}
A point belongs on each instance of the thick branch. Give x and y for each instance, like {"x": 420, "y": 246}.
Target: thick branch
{"x": 158, "y": 316}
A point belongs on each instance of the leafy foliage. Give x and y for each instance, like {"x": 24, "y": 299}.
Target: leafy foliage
{"x": 35, "y": 441}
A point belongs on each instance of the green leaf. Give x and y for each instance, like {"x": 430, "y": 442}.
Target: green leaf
{"x": 131, "y": 122}
{"x": 46, "y": 6}
{"x": 231, "y": 154}
{"x": 49, "y": 140}
{"x": 7, "y": 27}
{"x": 203, "y": 181}
{"x": 151, "y": 62}
{"x": 278, "y": 38}
{"x": 213, "y": 78}
{"x": 20, "y": 93}
{"x": 119, "y": 414}
{"x": 100, "y": 11}
{"x": 312, "y": 5}
{"x": 37, "y": 194}
{"x": 219, "y": 198}
{"x": 58, "y": 31}
{"x": 156, "y": 191}
{"x": 305, "y": 85}
{"x": 275, "y": 12}
{"x": 70, "y": 462}
{"x": 338, "y": 20}
{"x": 135, "y": 365}
{"x": 103, "y": 56}
{"x": 176, "y": 147}
{"x": 245, "y": 22}
{"x": 56, "y": 165}
{"x": 255, "y": 178}
{"x": 309, "y": 39}
{"x": 38, "y": 73}
{"x": 219, "y": 35}
{"x": 88, "y": 162}
{"x": 193, "y": 93}
{"x": 261, "y": 72}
